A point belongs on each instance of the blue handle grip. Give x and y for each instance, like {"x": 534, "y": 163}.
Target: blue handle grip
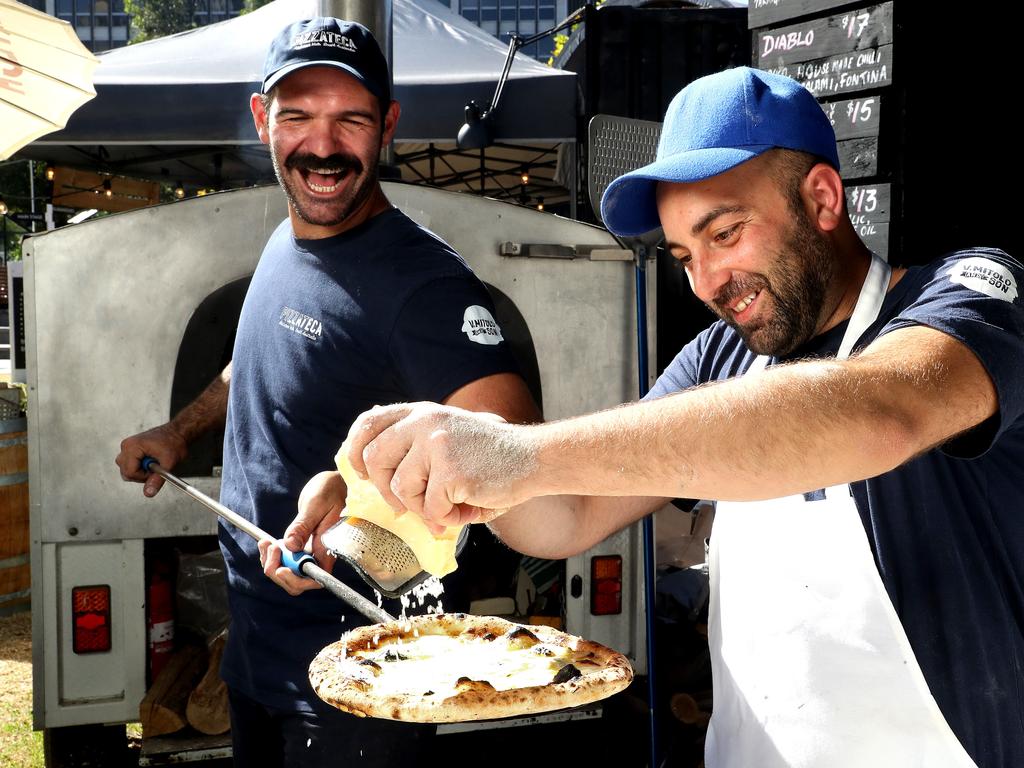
{"x": 147, "y": 462}
{"x": 295, "y": 560}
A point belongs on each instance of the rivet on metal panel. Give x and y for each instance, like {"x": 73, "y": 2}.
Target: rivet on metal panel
{"x": 72, "y": 531}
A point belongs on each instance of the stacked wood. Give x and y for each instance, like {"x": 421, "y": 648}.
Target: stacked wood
{"x": 207, "y": 709}
{"x": 162, "y": 711}
{"x": 15, "y": 575}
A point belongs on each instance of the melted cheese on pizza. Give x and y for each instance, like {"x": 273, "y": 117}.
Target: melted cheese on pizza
{"x": 436, "y": 554}
{"x": 435, "y": 663}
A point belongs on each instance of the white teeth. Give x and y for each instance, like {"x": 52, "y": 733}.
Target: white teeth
{"x": 318, "y": 188}
{"x": 324, "y": 172}
{"x": 744, "y": 302}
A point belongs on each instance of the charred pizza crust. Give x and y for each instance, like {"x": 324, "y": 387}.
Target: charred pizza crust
{"x": 349, "y": 674}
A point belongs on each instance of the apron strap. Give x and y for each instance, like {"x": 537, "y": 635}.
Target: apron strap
{"x": 869, "y": 304}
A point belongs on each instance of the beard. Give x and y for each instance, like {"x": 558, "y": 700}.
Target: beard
{"x": 317, "y": 211}
{"x": 796, "y": 288}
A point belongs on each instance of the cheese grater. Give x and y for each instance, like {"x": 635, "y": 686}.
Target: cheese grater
{"x": 382, "y": 559}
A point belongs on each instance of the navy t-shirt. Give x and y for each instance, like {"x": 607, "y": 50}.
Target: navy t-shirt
{"x": 947, "y": 528}
{"x": 383, "y": 313}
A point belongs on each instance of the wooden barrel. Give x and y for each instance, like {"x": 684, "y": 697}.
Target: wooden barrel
{"x": 15, "y": 574}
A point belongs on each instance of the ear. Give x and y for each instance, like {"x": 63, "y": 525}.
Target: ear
{"x": 259, "y": 117}
{"x": 390, "y": 122}
{"x": 823, "y": 194}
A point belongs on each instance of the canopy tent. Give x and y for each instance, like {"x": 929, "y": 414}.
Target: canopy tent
{"x": 178, "y": 106}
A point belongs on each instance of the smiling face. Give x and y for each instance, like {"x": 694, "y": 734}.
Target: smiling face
{"x": 752, "y": 254}
{"x": 325, "y": 133}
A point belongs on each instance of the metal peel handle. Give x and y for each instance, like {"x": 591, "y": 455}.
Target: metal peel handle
{"x": 300, "y": 563}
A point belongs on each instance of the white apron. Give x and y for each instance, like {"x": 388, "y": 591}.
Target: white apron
{"x": 811, "y": 665}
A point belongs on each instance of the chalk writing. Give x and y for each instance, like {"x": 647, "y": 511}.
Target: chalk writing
{"x": 826, "y": 37}
{"x": 847, "y": 72}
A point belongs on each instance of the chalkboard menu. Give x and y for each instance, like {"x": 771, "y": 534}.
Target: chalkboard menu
{"x": 843, "y": 54}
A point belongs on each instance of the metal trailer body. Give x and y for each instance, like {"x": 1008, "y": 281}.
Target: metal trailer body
{"x": 108, "y": 303}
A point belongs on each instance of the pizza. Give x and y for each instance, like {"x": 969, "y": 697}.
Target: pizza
{"x": 456, "y": 667}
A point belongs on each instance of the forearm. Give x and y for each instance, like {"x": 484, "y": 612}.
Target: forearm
{"x": 207, "y": 412}
{"x": 788, "y": 430}
{"x": 554, "y": 527}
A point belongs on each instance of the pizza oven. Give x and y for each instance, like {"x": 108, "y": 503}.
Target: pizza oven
{"x": 129, "y": 316}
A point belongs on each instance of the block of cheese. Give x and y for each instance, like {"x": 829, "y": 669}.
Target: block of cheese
{"x": 436, "y": 553}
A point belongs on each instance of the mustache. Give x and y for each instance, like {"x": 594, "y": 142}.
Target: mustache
{"x": 309, "y": 162}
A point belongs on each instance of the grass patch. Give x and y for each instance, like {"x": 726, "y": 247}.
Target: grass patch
{"x": 20, "y": 746}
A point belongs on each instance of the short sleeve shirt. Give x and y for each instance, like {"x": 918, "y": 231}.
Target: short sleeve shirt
{"x": 383, "y": 313}
{"x": 947, "y": 528}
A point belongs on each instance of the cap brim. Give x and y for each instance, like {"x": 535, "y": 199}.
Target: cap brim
{"x": 283, "y": 72}
{"x": 629, "y": 205}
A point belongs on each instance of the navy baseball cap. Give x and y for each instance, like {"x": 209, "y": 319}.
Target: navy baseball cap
{"x": 329, "y": 42}
{"x": 714, "y": 124}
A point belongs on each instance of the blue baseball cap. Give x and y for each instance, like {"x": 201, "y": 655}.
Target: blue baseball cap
{"x": 714, "y": 124}
{"x": 329, "y": 42}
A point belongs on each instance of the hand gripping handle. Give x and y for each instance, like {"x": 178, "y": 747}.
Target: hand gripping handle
{"x": 300, "y": 563}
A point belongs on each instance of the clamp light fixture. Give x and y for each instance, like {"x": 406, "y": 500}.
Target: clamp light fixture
{"x": 478, "y": 130}
{"x": 3, "y": 207}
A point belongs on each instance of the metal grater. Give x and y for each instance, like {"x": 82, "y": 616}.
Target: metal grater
{"x": 383, "y": 560}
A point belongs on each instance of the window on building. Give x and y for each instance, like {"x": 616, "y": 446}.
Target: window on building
{"x": 502, "y": 18}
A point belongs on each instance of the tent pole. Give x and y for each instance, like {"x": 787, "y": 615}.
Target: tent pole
{"x": 376, "y": 16}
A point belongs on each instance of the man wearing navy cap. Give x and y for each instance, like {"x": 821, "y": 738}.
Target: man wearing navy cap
{"x": 860, "y": 426}
{"x": 352, "y": 305}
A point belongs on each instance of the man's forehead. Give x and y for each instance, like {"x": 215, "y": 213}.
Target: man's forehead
{"x": 314, "y": 79}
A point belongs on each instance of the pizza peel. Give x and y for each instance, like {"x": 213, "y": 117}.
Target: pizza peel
{"x": 300, "y": 563}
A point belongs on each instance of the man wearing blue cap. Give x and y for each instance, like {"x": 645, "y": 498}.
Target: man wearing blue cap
{"x": 352, "y": 305}
{"x": 861, "y": 427}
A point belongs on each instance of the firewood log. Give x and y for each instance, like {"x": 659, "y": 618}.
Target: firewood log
{"x": 162, "y": 711}
{"x": 207, "y": 709}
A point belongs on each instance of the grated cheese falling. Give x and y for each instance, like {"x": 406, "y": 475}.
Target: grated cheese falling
{"x": 418, "y": 596}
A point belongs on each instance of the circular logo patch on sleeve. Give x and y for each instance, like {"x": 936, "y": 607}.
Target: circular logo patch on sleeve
{"x": 480, "y": 326}
{"x": 985, "y": 276}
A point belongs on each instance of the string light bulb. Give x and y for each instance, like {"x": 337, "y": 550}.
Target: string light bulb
{"x": 108, "y": 189}
{"x": 540, "y": 203}
{"x": 179, "y": 191}
{"x": 50, "y": 172}
{"x": 3, "y": 207}
{"x": 525, "y": 176}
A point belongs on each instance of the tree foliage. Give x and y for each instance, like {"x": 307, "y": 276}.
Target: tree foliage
{"x": 159, "y": 18}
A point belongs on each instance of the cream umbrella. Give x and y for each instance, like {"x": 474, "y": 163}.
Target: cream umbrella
{"x": 45, "y": 75}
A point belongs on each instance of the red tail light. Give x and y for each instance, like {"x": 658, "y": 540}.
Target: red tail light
{"x": 90, "y": 617}
{"x": 606, "y": 585}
